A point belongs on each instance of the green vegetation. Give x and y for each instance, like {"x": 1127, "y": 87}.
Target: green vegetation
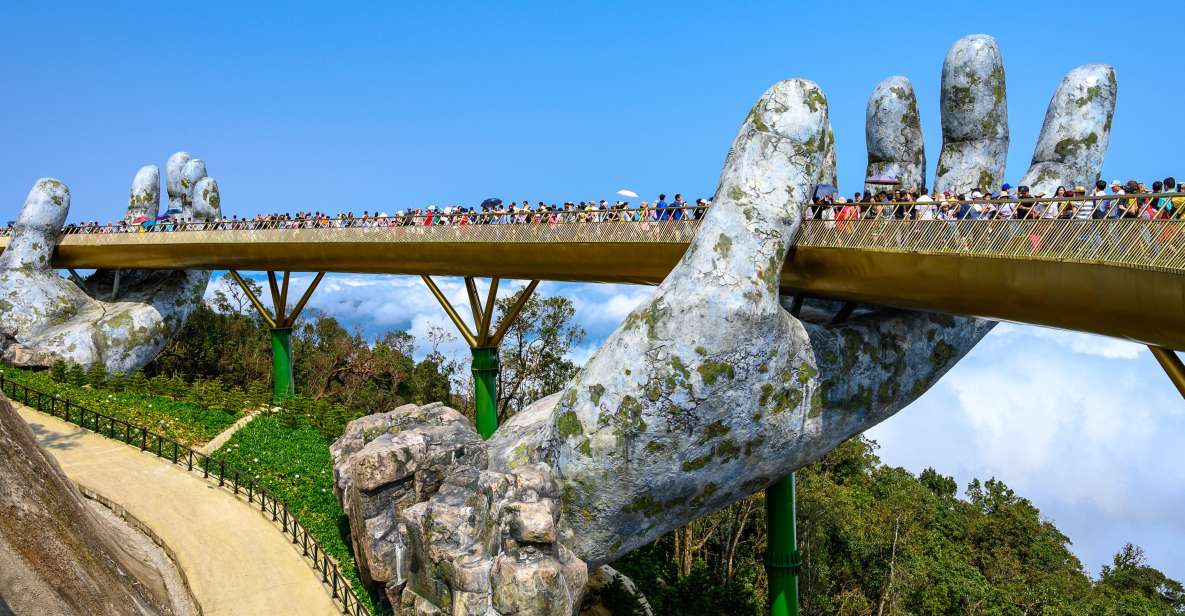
{"x": 190, "y": 413}
{"x": 878, "y": 540}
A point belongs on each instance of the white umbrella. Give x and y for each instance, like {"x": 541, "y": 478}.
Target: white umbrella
{"x": 627, "y": 193}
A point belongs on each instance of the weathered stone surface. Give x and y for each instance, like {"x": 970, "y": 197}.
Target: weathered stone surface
{"x": 57, "y": 557}
{"x": 193, "y": 171}
{"x": 1071, "y": 149}
{"x": 974, "y": 117}
{"x": 445, "y": 535}
{"x": 893, "y": 134}
{"x": 144, "y": 200}
{"x": 173, "y": 185}
{"x": 122, "y": 319}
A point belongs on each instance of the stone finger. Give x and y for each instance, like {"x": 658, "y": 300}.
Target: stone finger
{"x": 1076, "y": 131}
{"x": 893, "y": 134}
{"x": 173, "y": 186}
{"x": 207, "y": 205}
{"x": 144, "y": 200}
{"x": 974, "y": 117}
{"x": 37, "y": 227}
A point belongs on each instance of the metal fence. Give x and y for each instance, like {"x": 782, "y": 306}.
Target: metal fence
{"x": 211, "y": 469}
{"x": 1143, "y": 244}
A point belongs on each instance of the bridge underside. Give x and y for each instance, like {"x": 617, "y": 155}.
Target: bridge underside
{"x": 1119, "y": 301}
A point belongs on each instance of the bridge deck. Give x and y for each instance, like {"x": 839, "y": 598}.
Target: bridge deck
{"x": 1121, "y": 278}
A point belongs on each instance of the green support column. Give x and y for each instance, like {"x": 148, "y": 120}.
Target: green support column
{"x": 282, "y": 364}
{"x": 782, "y": 560}
{"x": 280, "y": 321}
{"x": 485, "y": 389}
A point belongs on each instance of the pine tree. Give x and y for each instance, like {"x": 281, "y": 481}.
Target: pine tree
{"x": 57, "y": 372}
{"x": 76, "y": 375}
{"x": 96, "y": 375}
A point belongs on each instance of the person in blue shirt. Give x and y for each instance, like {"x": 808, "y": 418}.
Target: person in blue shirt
{"x": 678, "y": 206}
{"x": 661, "y": 206}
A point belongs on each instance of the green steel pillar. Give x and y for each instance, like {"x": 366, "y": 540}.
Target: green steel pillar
{"x": 485, "y": 389}
{"x": 282, "y": 364}
{"x": 782, "y": 560}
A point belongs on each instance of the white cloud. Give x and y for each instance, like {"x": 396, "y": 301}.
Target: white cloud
{"x": 1078, "y": 342}
{"x": 379, "y": 303}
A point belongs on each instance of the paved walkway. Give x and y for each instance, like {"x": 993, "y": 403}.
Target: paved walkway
{"x": 235, "y": 560}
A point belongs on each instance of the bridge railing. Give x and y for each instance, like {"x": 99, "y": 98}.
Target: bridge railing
{"x": 1083, "y": 230}
{"x": 212, "y": 469}
{"x": 644, "y": 217}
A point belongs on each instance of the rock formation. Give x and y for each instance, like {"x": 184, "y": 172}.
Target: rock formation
{"x": 120, "y": 319}
{"x": 56, "y": 556}
{"x": 708, "y": 392}
{"x": 440, "y": 531}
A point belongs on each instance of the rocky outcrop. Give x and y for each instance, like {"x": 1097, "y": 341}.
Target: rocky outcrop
{"x": 120, "y": 319}
{"x": 443, "y": 534}
{"x": 57, "y": 557}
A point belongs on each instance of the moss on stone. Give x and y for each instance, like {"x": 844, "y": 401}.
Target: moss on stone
{"x": 695, "y": 464}
{"x": 568, "y": 424}
{"x": 595, "y": 392}
{"x": 942, "y": 354}
{"x": 716, "y": 429}
{"x": 711, "y": 371}
{"x": 723, "y": 245}
{"x": 727, "y": 450}
{"x": 806, "y": 372}
{"x": 585, "y": 447}
{"x": 961, "y": 98}
{"x": 1067, "y": 147}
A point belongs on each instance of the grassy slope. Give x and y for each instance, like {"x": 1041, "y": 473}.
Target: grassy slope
{"x": 184, "y": 422}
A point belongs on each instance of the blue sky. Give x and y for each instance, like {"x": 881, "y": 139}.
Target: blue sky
{"x": 384, "y": 106}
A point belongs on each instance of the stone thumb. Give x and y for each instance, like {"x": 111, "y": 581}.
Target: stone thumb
{"x": 38, "y": 226}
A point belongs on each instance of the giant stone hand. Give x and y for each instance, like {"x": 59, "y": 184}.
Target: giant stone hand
{"x": 118, "y": 319}
{"x": 712, "y": 390}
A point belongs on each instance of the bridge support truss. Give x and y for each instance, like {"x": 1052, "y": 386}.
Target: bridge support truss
{"x": 280, "y": 320}
{"x": 483, "y": 344}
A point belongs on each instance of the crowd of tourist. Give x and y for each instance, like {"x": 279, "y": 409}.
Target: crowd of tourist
{"x": 491, "y": 212}
{"x": 1163, "y": 199}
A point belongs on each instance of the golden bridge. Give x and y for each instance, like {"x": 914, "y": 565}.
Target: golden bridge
{"x": 1123, "y": 278}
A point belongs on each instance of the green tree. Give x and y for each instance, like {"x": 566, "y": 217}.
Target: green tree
{"x": 534, "y": 352}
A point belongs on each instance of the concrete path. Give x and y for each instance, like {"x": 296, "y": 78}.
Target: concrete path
{"x": 235, "y": 560}
{"x": 220, "y": 440}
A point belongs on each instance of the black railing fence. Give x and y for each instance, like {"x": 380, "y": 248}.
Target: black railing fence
{"x": 211, "y": 468}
